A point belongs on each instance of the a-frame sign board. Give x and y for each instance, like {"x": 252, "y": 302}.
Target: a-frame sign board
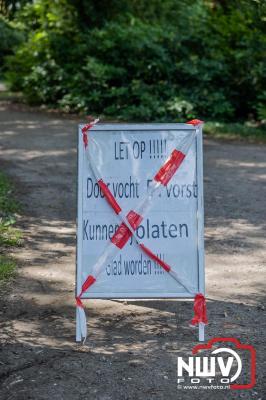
{"x": 140, "y": 212}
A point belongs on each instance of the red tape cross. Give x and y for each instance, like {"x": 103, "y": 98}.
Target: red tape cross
{"x": 123, "y": 233}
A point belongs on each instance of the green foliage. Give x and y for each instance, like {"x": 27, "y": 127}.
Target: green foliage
{"x": 261, "y": 106}
{"x": 10, "y": 38}
{"x": 138, "y": 60}
{"x": 9, "y": 7}
{"x": 248, "y": 132}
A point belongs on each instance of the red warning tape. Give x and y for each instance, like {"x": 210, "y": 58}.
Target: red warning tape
{"x": 84, "y": 134}
{"x": 195, "y": 122}
{"x": 165, "y": 266}
{"x": 85, "y": 130}
{"x": 169, "y": 168}
{"x": 123, "y": 233}
{"x": 109, "y": 196}
{"x": 79, "y": 302}
{"x": 89, "y": 281}
{"x": 200, "y": 310}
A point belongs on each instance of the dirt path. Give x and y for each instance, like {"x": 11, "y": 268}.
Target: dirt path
{"x": 132, "y": 348}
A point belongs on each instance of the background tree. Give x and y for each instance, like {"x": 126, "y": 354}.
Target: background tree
{"x": 143, "y": 60}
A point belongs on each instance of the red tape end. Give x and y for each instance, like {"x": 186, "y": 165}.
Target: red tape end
{"x": 109, "y": 196}
{"x": 195, "y": 122}
{"x": 200, "y": 310}
{"x": 169, "y": 168}
{"x": 84, "y": 133}
{"x": 85, "y": 130}
{"x": 122, "y": 234}
{"x": 89, "y": 281}
{"x": 85, "y": 140}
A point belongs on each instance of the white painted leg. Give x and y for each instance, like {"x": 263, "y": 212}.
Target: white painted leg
{"x": 78, "y": 327}
{"x": 201, "y": 332}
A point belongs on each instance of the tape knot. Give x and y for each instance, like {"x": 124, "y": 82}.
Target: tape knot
{"x": 200, "y": 310}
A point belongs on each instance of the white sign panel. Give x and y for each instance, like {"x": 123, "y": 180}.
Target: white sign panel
{"x": 127, "y": 158}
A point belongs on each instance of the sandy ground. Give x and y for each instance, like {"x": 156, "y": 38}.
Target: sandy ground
{"x": 132, "y": 348}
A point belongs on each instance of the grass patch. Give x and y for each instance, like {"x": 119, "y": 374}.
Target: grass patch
{"x": 8, "y": 205}
{"x": 7, "y": 268}
{"x": 236, "y": 131}
{"x": 12, "y": 96}
{"x": 9, "y": 235}
{"x": 6, "y": 94}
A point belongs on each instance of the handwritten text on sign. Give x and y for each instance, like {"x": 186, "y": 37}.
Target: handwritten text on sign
{"x": 155, "y": 148}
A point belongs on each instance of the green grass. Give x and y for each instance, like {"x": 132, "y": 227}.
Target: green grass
{"x": 7, "y": 268}
{"x": 7, "y": 95}
{"x": 236, "y": 131}
{"x": 10, "y": 236}
{"x": 8, "y": 204}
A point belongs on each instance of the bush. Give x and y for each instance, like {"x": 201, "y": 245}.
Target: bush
{"x": 10, "y": 38}
{"x": 134, "y": 62}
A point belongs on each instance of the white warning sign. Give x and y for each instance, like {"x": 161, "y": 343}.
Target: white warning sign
{"x": 140, "y": 211}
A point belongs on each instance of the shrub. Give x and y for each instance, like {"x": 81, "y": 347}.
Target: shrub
{"x": 10, "y": 38}
{"x": 133, "y": 62}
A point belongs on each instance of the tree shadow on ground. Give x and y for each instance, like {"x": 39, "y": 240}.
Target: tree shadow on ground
{"x": 131, "y": 348}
